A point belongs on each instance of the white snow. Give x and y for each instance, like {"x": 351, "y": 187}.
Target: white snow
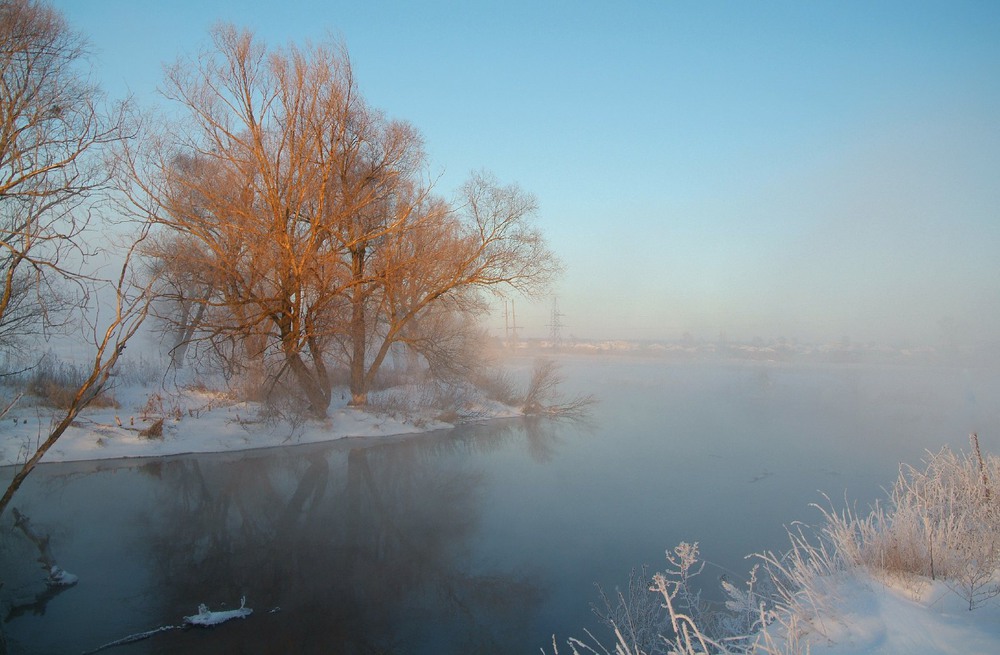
{"x": 206, "y": 618}
{"x": 868, "y": 616}
{"x": 60, "y": 578}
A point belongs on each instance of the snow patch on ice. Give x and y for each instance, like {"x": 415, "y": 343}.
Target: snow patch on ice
{"x": 60, "y": 578}
{"x": 207, "y": 618}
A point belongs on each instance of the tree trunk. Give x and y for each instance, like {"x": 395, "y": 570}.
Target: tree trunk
{"x": 359, "y": 385}
{"x": 185, "y": 332}
{"x": 315, "y": 387}
{"x": 90, "y": 388}
{"x": 318, "y": 397}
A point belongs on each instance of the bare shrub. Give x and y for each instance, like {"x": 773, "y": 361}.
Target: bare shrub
{"x": 285, "y": 411}
{"x": 543, "y": 396}
{"x": 498, "y": 385}
{"x": 153, "y": 406}
{"x": 454, "y": 403}
{"x": 55, "y": 384}
{"x": 395, "y": 405}
{"x": 391, "y": 377}
{"x": 430, "y": 400}
{"x": 154, "y": 431}
{"x": 635, "y": 613}
{"x": 142, "y": 371}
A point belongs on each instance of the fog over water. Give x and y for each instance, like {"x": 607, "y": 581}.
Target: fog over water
{"x": 486, "y": 536}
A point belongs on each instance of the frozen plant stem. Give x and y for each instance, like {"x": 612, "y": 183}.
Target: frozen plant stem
{"x": 974, "y": 437}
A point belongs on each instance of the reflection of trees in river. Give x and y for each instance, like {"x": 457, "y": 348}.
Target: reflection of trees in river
{"x": 365, "y": 548}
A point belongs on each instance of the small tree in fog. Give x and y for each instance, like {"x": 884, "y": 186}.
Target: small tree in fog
{"x": 543, "y": 395}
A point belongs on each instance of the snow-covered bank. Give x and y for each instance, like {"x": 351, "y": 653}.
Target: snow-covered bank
{"x": 198, "y": 421}
{"x": 868, "y": 616}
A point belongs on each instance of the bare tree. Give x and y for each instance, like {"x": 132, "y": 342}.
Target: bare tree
{"x": 183, "y": 290}
{"x": 310, "y": 217}
{"x": 426, "y": 270}
{"x": 52, "y": 130}
{"x": 53, "y": 133}
{"x": 245, "y": 179}
{"x": 109, "y": 335}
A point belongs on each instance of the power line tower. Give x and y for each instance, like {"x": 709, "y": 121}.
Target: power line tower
{"x": 510, "y": 326}
{"x": 555, "y": 323}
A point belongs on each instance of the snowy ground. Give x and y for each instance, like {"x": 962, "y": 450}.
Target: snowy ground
{"x": 862, "y": 614}
{"x": 867, "y": 616}
{"x": 201, "y": 421}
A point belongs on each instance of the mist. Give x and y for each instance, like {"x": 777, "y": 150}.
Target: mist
{"x": 888, "y": 237}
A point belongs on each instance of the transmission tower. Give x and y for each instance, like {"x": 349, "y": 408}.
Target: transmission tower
{"x": 555, "y": 323}
{"x": 510, "y": 326}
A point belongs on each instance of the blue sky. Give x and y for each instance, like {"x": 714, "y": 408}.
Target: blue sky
{"x": 800, "y": 169}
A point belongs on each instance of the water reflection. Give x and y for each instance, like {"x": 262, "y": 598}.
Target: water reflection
{"x": 355, "y": 548}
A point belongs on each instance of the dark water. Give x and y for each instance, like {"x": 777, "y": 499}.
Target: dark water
{"x": 483, "y": 539}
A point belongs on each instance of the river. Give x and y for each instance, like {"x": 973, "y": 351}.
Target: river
{"x": 486, "y": 538}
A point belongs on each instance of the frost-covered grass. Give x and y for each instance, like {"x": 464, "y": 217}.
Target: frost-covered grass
{"x": 903, "y": 577}
{"x": 941, "y": 522}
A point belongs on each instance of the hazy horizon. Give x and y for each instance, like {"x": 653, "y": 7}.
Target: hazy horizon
{"x": 769, "y": 169}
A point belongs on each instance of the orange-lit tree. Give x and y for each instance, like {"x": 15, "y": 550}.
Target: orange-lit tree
{"x": 309, "y": 216}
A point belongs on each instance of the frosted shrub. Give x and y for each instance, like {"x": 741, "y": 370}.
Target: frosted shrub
{"x": 942, "y": 522}
{"x": 748, "y": 608}
{"x": 669, "y": 616}
{"x": 761, "y": 616}
{"x": 683, "y": 604}
{"x": 635, "y": 613}
{"x": 974, "y": 574}
{"x": 804, "y": 585}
